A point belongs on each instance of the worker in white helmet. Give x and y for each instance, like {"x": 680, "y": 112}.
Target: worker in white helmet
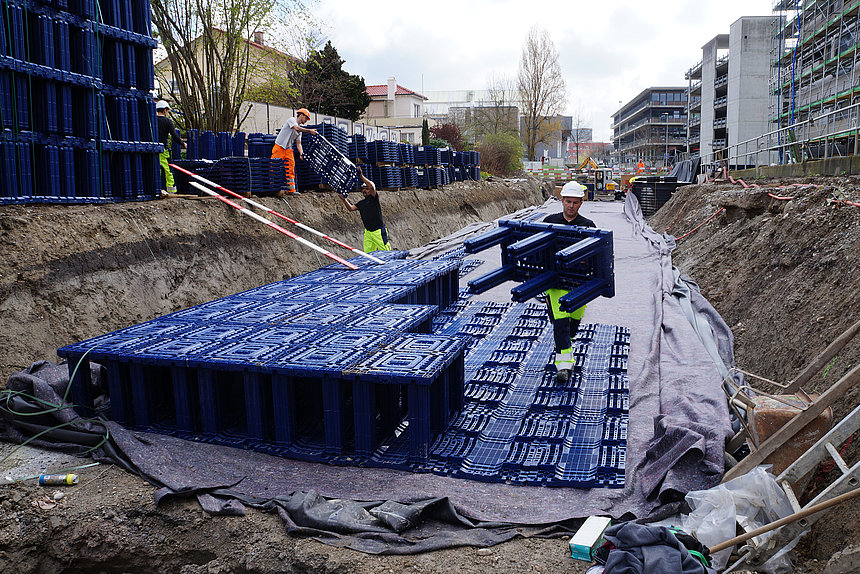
{"x": 566, "y": 324}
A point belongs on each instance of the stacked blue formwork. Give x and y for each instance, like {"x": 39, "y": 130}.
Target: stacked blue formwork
{"x": 549, "y": 255}
{"x": 428, "y": 156}
{"x": 472, "y": 165}
{"x": 247, "y": 175}
{"x": 334, "y": 135}
{"x": 77, "y": 120}
{"x": 319, "y": 370}
{"x": 386, "y": 176}
{"x": 429, "y": 177}
{"x": 407, "y": 153}
{"x": 340, "y": 371}
{"x": 260, "y": 145}
{"x": 324, "y": 163}
{"x": 356, "y": 148}
{"x": 201, "y": 167}
{"x": 447, "y": 156}
{"x": 409, "y": 175}
{"x": 432, "y": 282}
{"x": 381, "y": 151}
{"x": 206, "y": 146}
{"x": 517, "y": 425}
{"x": 212, "y": 146}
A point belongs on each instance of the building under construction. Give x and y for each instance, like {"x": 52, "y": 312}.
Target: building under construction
{"x": 815, "y": 84}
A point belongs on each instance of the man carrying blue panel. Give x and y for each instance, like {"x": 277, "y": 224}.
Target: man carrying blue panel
{"x": 375, "y": 234}
{"x": 564, "y": 324}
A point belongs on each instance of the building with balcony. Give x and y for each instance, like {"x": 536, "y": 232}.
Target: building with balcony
{"x": 727, "y": 90}
{"x": 651, "y": 127}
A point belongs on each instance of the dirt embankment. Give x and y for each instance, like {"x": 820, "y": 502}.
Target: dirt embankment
{"x": 783, "y": 273}
{"x": 69, "y": 273}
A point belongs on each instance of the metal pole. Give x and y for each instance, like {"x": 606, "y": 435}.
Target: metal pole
{"x": 276, "y": 214}
{"x": 274, "y": 226}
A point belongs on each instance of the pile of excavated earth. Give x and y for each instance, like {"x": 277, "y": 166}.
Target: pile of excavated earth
{"x": 782, "y": 272}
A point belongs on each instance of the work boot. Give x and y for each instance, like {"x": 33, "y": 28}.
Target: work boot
{"x": 562, "y": 376}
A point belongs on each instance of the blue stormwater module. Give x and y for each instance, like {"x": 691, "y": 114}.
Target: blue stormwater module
{"x": 344, "y": 367}
{"x": 71, "y": 86}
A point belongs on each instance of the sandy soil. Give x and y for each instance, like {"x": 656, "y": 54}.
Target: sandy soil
{"x": 782, "y": 274}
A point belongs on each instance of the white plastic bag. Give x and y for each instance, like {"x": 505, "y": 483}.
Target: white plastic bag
{"x": 753, "y": 500}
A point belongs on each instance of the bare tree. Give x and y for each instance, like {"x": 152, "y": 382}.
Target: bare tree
{"x": 497, "y": 114}
{"x": 209, "y": 53}
{"x": 541, "y": 88}
{"x": 580, "y": 132}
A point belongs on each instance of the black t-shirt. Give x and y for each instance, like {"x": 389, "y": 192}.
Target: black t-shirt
{"x": 559, "y": 218}
{"x": 165, "y": 129}
{"x": 371, "y": 212}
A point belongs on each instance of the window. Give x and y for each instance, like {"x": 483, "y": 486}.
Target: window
{"x": 410, "y": 137}
{"x": 416, "y": 110}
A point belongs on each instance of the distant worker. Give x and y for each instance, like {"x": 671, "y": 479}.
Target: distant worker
{"x": 565, "y": 324}
{"x": 375, "y": 234}
{"x": 640, "y": 167}
{"x": 283, "y": 148}
{"x": 166, "y": 129}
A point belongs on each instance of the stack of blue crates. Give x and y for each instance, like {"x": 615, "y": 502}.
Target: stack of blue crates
{"x": 344, "y": 367}
{"x": 407, "y": 153}
{"x": 472, "y": 165}
{"x": 333, "y": 134}
{"x": 77, "y": 119}
{"x": 260, "y": 145}
{"x": 386, "y": 176}
{"x": 357, "y": 148}
{"x": 212, "y": 146}
{"x": 295, "y": 354}
{"x": 381, "y": 151}
{"x": 246, "y": 175}
{"x": 517, "y": 424}
{"x": 409, "y": 175}
{"x": 428, "y": 156}
{"x": 430, "y": 177}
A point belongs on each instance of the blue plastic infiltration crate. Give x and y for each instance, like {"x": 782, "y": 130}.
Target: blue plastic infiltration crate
{"x": 546, "y": 255}
{"x": 301, "y": 369}
{"x": 86, "y": 79}
{"x": 325, "y": 162}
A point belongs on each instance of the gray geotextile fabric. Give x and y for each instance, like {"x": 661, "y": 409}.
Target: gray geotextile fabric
{"x": 678, "y": 425}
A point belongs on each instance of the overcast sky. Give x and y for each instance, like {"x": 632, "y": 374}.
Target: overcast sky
{"x": 609, "y": 50}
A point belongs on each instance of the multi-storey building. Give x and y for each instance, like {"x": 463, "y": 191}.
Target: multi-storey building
{"x": 651, "y": 127}
{"x": 815, "y": 86}
{"x": 728, "y": 89}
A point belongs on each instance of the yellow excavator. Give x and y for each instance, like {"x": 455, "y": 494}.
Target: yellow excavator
{"x": 587, "y": 162}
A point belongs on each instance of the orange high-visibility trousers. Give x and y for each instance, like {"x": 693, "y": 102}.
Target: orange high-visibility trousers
{"x": 289, "y": 165}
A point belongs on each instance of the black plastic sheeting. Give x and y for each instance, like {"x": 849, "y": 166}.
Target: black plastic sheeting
{"x": 679, "y": 423}
{"x": 686, "y": 171}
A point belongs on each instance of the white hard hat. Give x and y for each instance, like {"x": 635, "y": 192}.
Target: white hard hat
{"x": 161, "y": 104}
{"x": 573, "y": 189}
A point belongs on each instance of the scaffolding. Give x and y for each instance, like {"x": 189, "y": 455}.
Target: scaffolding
{"x": 815, "y": 76}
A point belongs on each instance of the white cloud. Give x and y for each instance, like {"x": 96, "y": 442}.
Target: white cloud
{"x": 609, "y": 50}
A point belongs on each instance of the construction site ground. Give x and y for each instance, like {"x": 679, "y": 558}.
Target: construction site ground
{"x": 782, "y": 273}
